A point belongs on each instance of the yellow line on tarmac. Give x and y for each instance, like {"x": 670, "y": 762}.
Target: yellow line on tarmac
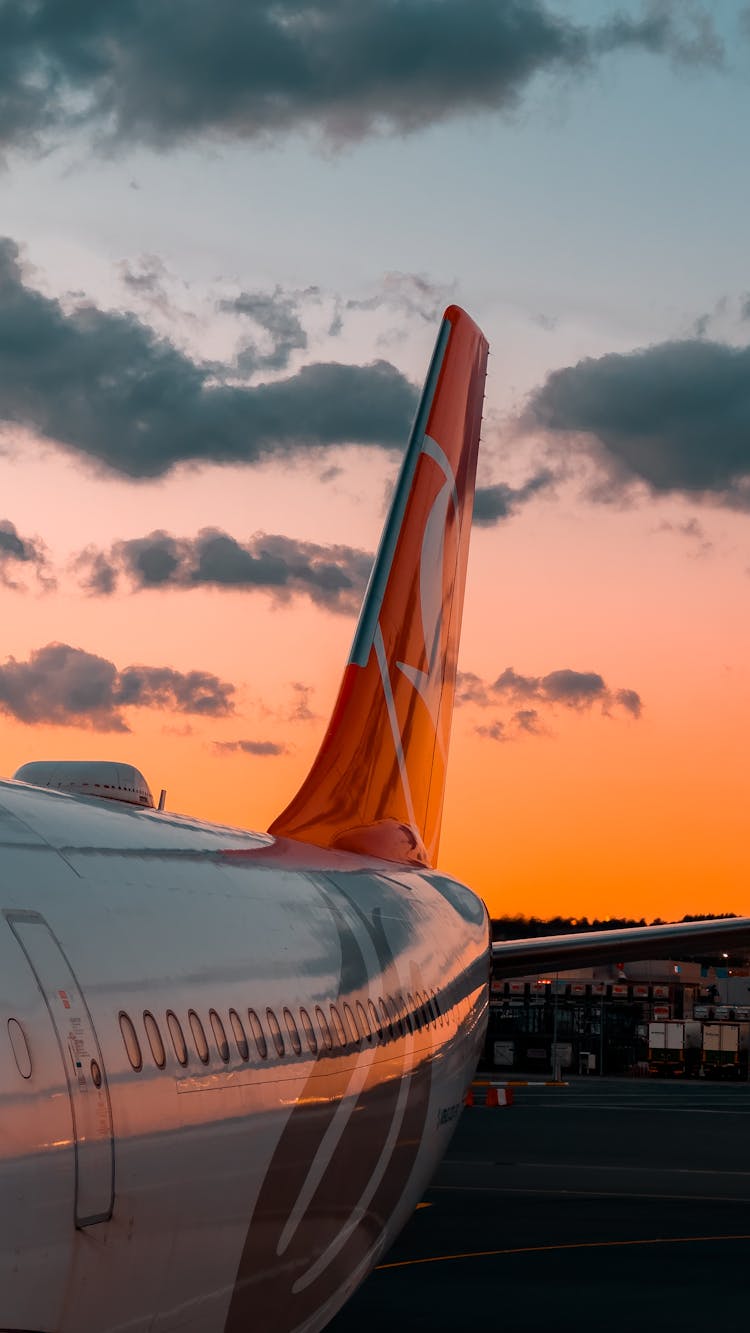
{"x": 574, "y": 1245}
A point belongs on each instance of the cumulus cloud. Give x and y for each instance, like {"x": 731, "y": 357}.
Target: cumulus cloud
{"x": 19, "y": 554}
{"x": 674, "y": 416}
{"x": 104, "y": 385}
{"x": 70, "y": 687}
{"x": 334, "y": 577}
{"x": 575, "y": 690}
{"x": 156, "y": 72}
{"x": 492, "y": 504}
{"x": 259, "y": 748}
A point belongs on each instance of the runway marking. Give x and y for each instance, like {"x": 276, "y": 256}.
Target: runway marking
{"x": 570, "y": 1245}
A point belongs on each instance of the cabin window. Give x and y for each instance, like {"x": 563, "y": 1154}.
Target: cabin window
{"x": 256, "y": 1027}
{"x": 293, "y": 1031}
{"x": 275, "y": 1030}
{"x": 376, "y": 1023}
{"x": 178, "y": 1039}
{"x": 199, "y": 1036}
{"x": 386, "y": 1017}
{"x": 154, "y": 1039}
{"x": 398, "y": 1027}
{"x": 130, "y": 1038}
{"x": 351, "y": 1025}
{"x": 364, "y": 1022}
{"x": 412, "y": 1011}
{"x": 220, "y": 1036}
{"x": 239, "y": 1034}
{"x": 312, "y": 1040}
{"x": 405, "y": 1015}
{"x": 325, "y": 1031}
{"x": 338, "y": 1026}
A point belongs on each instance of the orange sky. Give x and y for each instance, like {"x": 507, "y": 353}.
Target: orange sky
{"x": 601, "y": 815}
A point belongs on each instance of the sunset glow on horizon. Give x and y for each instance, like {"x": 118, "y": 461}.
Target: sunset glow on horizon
{"x": 211, "y": 340}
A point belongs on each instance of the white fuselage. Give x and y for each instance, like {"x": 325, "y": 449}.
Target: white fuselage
{"x": 227, "y": 1190}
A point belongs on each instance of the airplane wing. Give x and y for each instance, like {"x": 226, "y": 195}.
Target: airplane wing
{"x": 678, "y": 939}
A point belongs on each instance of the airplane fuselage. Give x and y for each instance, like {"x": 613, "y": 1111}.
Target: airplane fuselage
{"x": 230, "y": 1065}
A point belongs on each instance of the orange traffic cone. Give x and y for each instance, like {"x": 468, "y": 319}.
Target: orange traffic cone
{"x": 469, "y": 1101}
{"x": 492, "y": 1098}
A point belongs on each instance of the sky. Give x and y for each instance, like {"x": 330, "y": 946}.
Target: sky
{"x": 227, "y": 235}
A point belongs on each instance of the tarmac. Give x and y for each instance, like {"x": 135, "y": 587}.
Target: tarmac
{"x": 606, "y": 1204}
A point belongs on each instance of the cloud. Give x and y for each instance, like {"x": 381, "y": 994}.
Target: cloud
{"x": 407, "y": 294}
{"x": 148, "y": 71}
{"x": 18, "y": 553}
{"x": 260, "y": 748}
{"x": 674, "y": 416}
{"x": 300, "y": 710}
{"x": 575, "y": 690}
{"x": 105, "y": 386}
{"x": 70, "y": 687}
{"x": 494, "y": 503}
{"x": 334, "y": 577}
{"x": 277, "y": 313}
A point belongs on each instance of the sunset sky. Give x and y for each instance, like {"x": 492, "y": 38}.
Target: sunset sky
{"x": 229, "y": 232}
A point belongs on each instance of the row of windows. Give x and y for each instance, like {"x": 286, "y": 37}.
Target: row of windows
{"x": 348, "y": 1025}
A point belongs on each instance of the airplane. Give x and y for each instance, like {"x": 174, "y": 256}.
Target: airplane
{"x": 231, "y": 1061}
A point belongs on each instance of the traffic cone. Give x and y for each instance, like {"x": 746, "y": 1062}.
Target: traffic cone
{"x": 492, "y": 1098}
{"x": 469, "y": 1100}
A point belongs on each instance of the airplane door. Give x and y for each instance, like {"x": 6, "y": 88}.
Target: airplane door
{"x": 84, "y": 1066}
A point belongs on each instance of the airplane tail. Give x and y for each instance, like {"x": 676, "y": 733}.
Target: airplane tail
{"x": 377, "y": 783}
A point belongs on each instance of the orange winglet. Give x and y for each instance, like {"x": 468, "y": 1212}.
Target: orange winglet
{"x": 377, "y": 784}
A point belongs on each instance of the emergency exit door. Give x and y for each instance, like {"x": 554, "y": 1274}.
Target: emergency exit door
{"x": 84, "y": 1066}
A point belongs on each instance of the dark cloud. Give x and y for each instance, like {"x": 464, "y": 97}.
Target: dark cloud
{"x": 578, "y": 690}
{"x": 675, "y": 416}
{"x": 18, "y": 554}
{"x": 494, "y": 503}
{"x": 158, "y": 72}
{"x": 104, "y": 385}
{"x": 70, "y": 687}
{"x": 261, "y": 748}
{"x": 745, "y": 306}
{"x": 277, "y": 313}
{"x": 331, "y": 576}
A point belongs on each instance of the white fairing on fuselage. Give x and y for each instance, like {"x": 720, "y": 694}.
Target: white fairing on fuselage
{"x": 243, "y": 1192}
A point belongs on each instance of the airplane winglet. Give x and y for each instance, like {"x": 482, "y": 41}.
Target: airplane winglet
{"x": 377, "y": 783}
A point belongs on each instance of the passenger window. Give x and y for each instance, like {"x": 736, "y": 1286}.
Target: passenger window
{"x": 413, "y": 1011}
{"x": 364, "y": 1022}
{"x": 376, "y": 1023}
{"x": 199, "y": 1036}
{"x": 386, "y": 1017}
{"x": 275, "y": 1030}
{"x": 220, "y": 1036}
{"x": 178, "y": 1038}
{"x": 312, "y": 1040}
{"x": 239, "y": 1034}
{"x": 436, "y": 1007}
{"x": 293, "y": 1031}
{"x": 338, "y": 1025}
{"x": 132, "y": 1045}
{"x": 405, "y": 1015}
{"x": 325, "y": 1031}
{"x": 154, "y": 1039}
{"x": 351, "y": 1024}
{"x": 256, "y": 1027}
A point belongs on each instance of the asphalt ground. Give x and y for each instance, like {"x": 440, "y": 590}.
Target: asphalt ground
{"x": 608, "y": 1204}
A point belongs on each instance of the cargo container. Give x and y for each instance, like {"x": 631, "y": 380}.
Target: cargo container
{"x": 724, "y": 1050}
{"x": 674, "y": 1049}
